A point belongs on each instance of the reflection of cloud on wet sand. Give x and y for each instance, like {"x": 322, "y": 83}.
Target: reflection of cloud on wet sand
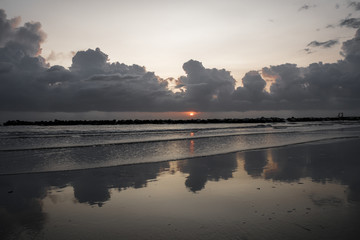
{"x": 206, "y": 169}
{"x": 21, "y": 206}
{"x": 255, "y": 162}
{"x": 322, "y": 162}
{"x": 92, "y": 186}
{"x": 327, "y": 201}
{"x": 257, "y": 181}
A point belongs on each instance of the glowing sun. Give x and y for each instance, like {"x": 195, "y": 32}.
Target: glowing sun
{"x": 191, "y": 114}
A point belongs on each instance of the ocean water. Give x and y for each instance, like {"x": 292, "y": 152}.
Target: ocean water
{"x": 30, "y": 149}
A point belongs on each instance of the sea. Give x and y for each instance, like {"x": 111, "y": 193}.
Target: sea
{"x": 36, "y": 149}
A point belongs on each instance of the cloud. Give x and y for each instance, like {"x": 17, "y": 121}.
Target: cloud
{"x": 7, "y": 27}
{"x": 350, "y": 23}
{"x": 89, "y": 62}
{"x": 253, "y": 82}
{"x": 252, "y": 96}
{"x": 330, "y": 26}
{"x": 26, "y": 39}
{"x": 20, "y": 46}
{"x": 355, "y": 5}
{"x": 351, "y": 49}
{"x": 306, "y": 7}
{"x": 205, "y": 88}
{"x": 288, "y": 89}
{"x": 308, "y": 50}
{"x": 326, "y": 44}
{"x": 318, "y": 86}
{"x": 93, "y": 83}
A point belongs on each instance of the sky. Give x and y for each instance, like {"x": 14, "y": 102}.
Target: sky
{"x": 221, "y": 58}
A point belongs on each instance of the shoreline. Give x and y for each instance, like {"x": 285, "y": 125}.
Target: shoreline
{"x": 302, "y": 191}
{"x": 319, "y": 141}
{"x": 57, "y": 122}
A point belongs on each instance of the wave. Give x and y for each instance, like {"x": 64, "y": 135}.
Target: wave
{"x": 93, "y": 133}
{"x": 188, "y": 157}
{"x": 152, "y": 140}
{"x": 124, "y": 132}
{"x": 128, "y": 142}
{"x": 290, "y": 129}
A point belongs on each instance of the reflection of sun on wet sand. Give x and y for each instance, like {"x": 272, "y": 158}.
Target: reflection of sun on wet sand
{"x": 271, "y": 166}
{"x": 308, "y": 191}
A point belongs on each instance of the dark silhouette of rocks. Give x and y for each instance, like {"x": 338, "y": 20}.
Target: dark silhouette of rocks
{"x": 322, "y": 119}
{"x": 57, "y": 122}
{"x": 137, "y": 121}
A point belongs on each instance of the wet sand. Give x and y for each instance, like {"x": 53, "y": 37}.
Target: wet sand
{"x": 307, "y": 191}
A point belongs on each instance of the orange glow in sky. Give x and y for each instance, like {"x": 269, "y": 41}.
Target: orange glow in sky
{"x": 191, "y": 114}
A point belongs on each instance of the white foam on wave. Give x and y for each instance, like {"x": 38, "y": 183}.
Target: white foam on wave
{"x": 106, "y": 155}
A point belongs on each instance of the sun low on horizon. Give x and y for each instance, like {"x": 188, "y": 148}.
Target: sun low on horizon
{"x": 191, "y": 114}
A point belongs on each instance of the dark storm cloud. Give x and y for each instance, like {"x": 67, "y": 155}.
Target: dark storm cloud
{"x": 350, "y": 22}
{"x": 351, "y": 49}
{"x": 355, "y": 5}
{"x": 205, "y": 88}
{"x": 331, "y": 86}
{"x": 288, "y": 90}
{"x": 253, "y": 90}
{"x": 92, "y": 83}
{"x": 326, "y": 44}
{"x": 24, "y": 40}
{"x": 7, "y": 26}
{"x": 89, "y": 62}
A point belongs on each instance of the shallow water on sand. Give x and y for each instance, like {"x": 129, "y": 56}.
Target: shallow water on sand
{"x": 307, "y": 191}
{"x": 25, "y": 149}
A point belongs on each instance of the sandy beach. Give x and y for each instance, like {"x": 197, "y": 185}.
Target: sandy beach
{"x": 306, "y": 191}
